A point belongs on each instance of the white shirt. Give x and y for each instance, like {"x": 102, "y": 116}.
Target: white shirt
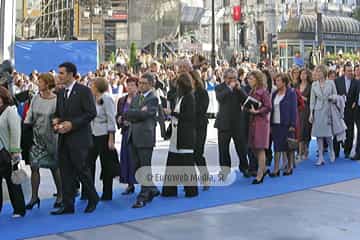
{"x": 277, "y": 101}
{"x": 347, "y": 84}
{"x": 69, "y": 88}
{"x": 174, "y": 132}
{"x": 146, "y": 94}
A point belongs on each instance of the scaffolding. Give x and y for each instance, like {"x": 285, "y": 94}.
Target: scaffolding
{"x": 153, "y": 21}
{"x": 56, "y": 19}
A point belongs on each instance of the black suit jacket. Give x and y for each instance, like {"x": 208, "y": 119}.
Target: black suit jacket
{"x": 142, "y": 131}
{"x": 80, "y": 110}
{"x": 357, "y": 93}
{"x": 186, "y": 123}
{"x": 230, "y": 115}
{"x": 201, "y": 107}
{"x": 350, "y": 96}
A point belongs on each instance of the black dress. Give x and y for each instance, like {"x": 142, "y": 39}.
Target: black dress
{"x": 305, "y": 126}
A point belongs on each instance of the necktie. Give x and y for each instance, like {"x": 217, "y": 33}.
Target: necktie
{"x": 66, "y": 93}
{"x": 142, "y": 98}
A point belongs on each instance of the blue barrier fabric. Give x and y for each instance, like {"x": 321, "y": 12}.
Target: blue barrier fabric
{"x": 46, "y": 55}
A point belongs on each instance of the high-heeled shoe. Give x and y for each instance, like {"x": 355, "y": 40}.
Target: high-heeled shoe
{"x": 289, "y": 173}
{"x": 128, "y": 190}
{"x": 255, "y": 181}
{"x": 275, "y": 174}
{"x": 31, "y": 205}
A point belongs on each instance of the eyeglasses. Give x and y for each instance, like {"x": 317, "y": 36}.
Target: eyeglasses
{"x": 143, "y": 83}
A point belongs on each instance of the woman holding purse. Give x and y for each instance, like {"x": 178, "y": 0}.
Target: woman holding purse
{"x": 103, "y": 128}
{"x": 283, "y": 123}
{"x": 10, "y": 131}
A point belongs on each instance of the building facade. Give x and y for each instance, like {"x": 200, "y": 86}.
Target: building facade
{"x": 261, "y": 20}
{"x": 101, "y": 20}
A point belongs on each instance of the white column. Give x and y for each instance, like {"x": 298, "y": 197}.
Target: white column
{"x": 7, "y": 29}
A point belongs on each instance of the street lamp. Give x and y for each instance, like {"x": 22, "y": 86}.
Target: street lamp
{"x": 213, "y": 53}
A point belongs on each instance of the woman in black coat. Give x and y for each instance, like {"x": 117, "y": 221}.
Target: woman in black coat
{"x": 201, "y": 123}
{"x": 180, "y": 167}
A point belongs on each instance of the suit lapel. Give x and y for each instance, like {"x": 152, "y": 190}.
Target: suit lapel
{"x": 145, "y": 100}
{"x": 72, "y": 94}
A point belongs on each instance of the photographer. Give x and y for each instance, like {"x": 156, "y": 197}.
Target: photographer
{"x": 229, "y": 122}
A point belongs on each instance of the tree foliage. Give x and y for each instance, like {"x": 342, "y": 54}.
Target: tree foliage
{"x": 132, "y": 54}
{"x": 356, "y": 13}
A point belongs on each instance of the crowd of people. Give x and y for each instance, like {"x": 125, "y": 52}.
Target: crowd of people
{"x": 67, "y": 121}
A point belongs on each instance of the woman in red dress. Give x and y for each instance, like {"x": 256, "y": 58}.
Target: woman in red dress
{"x": 259, "y": 127}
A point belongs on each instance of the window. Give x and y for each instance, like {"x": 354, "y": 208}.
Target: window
{"x": 330, "y": 49}
{"x": 226, "y": 3}
{"x": 260, "y": 31}
{"x": 226, "y": 33}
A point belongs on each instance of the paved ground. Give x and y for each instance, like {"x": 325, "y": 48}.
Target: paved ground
{"x": 327, "y": 213}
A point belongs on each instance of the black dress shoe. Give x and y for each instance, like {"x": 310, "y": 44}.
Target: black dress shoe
{"x": 58, "y": 205}
{"x": 83, "y": 198}
{"x": 246, "y": 174}
{"x": 206, "y": 188}
{"x": 355, "y": 158}
{"x": 62, "y": 211}
{"x": 128, "y": 190}
{"x": 153, "y": 195}
{"x": 105, "y": 198}
{"x": 139, "y": 204}
{"x": 91, "y": 206}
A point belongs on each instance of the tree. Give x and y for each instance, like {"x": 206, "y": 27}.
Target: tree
{"x": 112, "y": 57}
{"x": 356, "y": 13}
{"x": 132, "y": 55}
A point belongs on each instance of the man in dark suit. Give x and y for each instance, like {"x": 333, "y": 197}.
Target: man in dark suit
{"x": 230, "y": 122}
{"x": 356, "y": 106}
{"x": 345, "y": 86}
{"x": 142, "y": 135}
{"x": 75, "y": 108}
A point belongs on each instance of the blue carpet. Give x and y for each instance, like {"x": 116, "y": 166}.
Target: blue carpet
{"x": 38, "y": 222}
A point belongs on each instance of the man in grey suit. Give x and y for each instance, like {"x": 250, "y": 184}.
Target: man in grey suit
{"x": 142, "y": 135}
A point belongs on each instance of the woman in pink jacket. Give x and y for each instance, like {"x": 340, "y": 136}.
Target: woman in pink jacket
{"x": 259, "y": 131}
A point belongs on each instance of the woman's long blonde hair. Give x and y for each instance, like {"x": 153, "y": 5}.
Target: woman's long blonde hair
{"x": 260, "y": 79}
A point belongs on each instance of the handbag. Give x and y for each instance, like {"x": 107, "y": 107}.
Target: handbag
{"x": 19, "y": 175}
{"x": 293, "y": 144}
{"x": 115, "y": 164}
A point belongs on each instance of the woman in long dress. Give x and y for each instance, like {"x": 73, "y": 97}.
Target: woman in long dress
{"x": 43, "y": 152}
{"x": 304, "y": 87}
{"x": 320, "y": 102}
{"x": 127, "y": 170}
